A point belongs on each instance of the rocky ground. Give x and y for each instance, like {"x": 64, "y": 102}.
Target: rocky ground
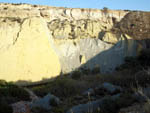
{"x": 127, "y": 90}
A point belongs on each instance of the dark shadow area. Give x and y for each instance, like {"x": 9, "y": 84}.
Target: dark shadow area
{"x": 101, "y": 35}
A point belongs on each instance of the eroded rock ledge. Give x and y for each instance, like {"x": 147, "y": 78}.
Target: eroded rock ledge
{"x": 40, "y": 41}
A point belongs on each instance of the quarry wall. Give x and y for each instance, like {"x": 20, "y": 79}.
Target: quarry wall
{"x": 39, "y": 42}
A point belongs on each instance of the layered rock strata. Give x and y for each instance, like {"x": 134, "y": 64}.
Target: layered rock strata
{"x": 39, "y": 42}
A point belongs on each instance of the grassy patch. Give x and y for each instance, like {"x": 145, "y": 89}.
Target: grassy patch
{"x": 12, "y": 93}
{"x": 126, "y": 99}
{"x": 76, "y": 74}
{"x": 61, "y": 87}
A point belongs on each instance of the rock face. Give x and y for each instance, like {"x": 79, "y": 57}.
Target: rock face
{"x": 25, "y": 55}
{"x": 41, "y": 42}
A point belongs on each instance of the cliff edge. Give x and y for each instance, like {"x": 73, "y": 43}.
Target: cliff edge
{"x": 39, "y": 42}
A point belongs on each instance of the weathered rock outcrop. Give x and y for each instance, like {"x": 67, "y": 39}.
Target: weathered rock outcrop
{"x": 40, "y": 42}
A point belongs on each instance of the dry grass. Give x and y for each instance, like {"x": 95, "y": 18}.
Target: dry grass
{"x": 61, "y": 87}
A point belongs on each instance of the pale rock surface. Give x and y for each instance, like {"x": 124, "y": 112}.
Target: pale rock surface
{"x": 29, "y": 56}
{"x": 39, "y": 42}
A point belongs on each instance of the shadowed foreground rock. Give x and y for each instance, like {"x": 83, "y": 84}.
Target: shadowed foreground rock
{"x": 91, "y": 106}
{"x": 46, "y": 102}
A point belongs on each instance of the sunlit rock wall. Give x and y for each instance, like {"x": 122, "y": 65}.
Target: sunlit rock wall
{"x": 39, "y": 42}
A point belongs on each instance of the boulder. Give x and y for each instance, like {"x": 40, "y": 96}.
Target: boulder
{"x": 21, "y": 107}
{"x": 110, "y": 88}
{"x": 46, "y": 102}
{"x": 91, "y": 106}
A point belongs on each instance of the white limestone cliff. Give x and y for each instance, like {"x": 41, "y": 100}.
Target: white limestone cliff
{"x": 39, "y": 42}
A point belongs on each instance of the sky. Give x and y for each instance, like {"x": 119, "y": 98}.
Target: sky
{"x": 143, "y": 5}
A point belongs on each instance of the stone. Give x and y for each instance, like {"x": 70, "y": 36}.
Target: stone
{"x": 46, "y": 102}
{"x": 21, "y": 107}
{"x": 90, "y": 106}
{"x": 110, "y": 38}
{"x": 110, "y": 88}
{"x": 142, "y": 95}
{"x": 33, "y": 96}
{"x": 139, "y": 97}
